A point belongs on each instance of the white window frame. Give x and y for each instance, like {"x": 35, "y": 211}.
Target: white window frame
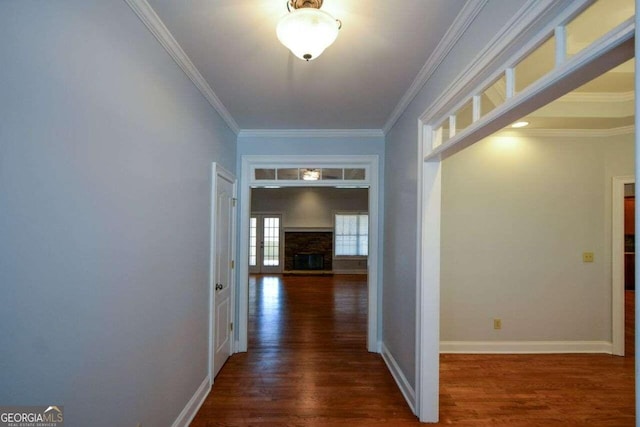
{"x": 335, "y": 234}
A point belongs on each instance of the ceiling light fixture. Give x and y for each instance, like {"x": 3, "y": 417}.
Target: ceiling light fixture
{"x": 310, "y": 174}
{"x": 517, "y": 125}
{"x": 306, "y": 30}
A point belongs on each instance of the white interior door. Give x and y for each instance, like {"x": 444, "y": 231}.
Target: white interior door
{"x": 223, "y": 277}
{"x": 265, "y": 243}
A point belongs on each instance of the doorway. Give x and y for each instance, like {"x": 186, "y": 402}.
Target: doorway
{"x": 291, "y": 171}
{"x": 629, "y": 268}
{"x": 567, "y": 71}
{"x": 623, "y": 264}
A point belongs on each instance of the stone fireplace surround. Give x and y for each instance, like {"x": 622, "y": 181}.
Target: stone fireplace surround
{"x": 308, "y": 242}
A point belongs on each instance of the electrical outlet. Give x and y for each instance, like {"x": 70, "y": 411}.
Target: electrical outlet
{"x": 497, "y": 323}
{"x": 587, "y": 257}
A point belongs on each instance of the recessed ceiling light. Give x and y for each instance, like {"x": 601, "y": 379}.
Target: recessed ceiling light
{"x": 520, "y": 124}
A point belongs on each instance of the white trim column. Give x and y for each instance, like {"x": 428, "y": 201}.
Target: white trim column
{"x": 428, "y": 287}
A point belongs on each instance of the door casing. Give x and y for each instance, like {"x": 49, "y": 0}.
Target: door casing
{"x": 374, "y": 267}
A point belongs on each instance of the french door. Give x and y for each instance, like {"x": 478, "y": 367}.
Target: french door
{"x": 265, "y": 243}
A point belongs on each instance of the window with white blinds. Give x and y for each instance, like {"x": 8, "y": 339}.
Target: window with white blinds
{"x": 351, "y": 234}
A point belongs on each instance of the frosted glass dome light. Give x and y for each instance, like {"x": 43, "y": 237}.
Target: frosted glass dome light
{"x": 307, "y": 31}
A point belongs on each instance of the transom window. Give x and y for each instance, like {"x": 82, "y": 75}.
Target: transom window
{"x": 309, "y": 174}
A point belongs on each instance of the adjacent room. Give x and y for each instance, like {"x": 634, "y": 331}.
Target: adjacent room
{"x": 540, "y": 214}
{"x": 309, "y": 230}
{"x": 529, "y": 213}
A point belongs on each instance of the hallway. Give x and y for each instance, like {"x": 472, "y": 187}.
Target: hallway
{"x": 307, "y": 362}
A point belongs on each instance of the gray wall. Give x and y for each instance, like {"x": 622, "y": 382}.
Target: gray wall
{"x": 309, "y": 207}
{"x": 400, "y": 282}
{"x": 105, "y": 159}
{"x": 517, "y": 213}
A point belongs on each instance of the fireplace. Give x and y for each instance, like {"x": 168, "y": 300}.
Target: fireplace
{"x": 304, "y": 261}
{"x": 308, "y": 250}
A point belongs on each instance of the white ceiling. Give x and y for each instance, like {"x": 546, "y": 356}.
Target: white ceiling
{"x": 355, "y": 84}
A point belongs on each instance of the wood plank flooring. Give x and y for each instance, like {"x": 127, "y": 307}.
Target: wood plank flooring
{"x": 308, "y": 366}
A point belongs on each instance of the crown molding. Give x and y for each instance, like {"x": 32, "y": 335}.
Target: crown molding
{"x": 152, "y": 21}
{"x": 311, "y": 133}
{"x": 507, "y": 38}
{"x": 568, "y": 133}
{"x": 459, "y": 26}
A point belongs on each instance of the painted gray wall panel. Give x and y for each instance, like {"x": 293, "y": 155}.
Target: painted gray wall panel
{"x": 105, "y": 159}
{"x": 399, "y": 293}
{"x": 309, "y": 207}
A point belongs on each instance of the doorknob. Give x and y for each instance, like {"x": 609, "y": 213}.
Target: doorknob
{"x": 219, "y": 286}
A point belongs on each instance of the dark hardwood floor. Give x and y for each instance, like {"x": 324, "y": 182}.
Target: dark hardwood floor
{"x": 307, "y": 366}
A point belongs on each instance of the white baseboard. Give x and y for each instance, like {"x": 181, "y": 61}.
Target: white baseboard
{"x": 526, "y": 347}
{"x": 406, "y": 389}
{"x": 194, "y": 404}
